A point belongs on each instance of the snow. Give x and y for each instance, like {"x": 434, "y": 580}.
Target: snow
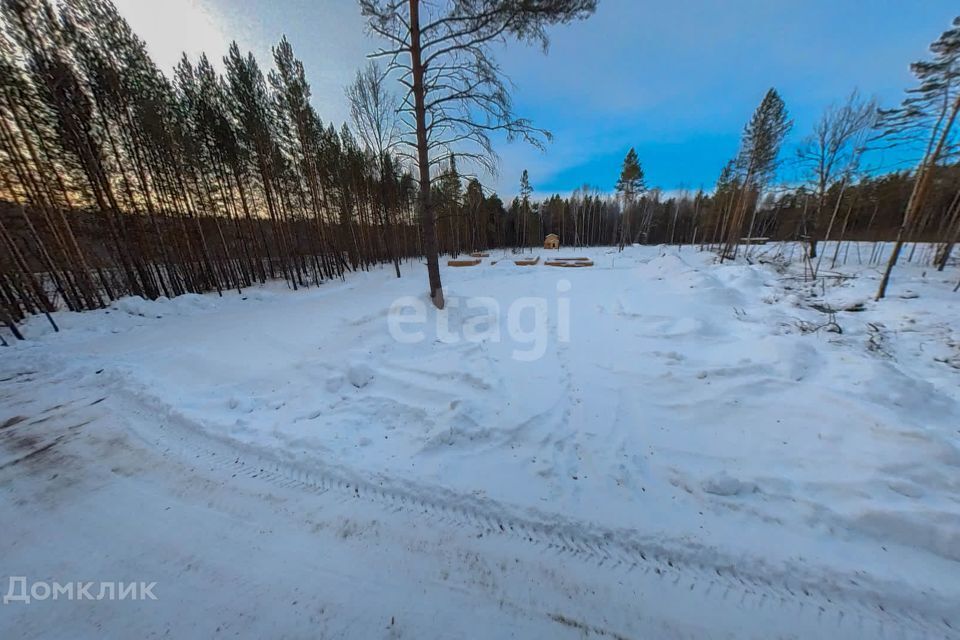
{"x": 718, "y": 417}
{"x": 722, "y": 484}
{"x": 360, "y": 375}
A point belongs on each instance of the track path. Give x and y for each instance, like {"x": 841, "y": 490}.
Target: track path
{"x": 109, "y": 487}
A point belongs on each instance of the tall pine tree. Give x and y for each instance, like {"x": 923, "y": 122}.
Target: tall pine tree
{"x": 630, "y": 185}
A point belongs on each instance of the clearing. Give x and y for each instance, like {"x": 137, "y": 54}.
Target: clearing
{"x": 654, "y": 446}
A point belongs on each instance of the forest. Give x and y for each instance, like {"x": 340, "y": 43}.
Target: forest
{"x": 118, "y": 180}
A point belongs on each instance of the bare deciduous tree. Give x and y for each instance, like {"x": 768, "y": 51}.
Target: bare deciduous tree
{"x": 373, "y": 110}
{"x": 832, "y": 153}
{"x": 456, "y": 95}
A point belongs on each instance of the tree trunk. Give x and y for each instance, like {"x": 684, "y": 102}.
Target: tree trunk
{"x": 423, "y": 161}
{"x": 952, "y": 232}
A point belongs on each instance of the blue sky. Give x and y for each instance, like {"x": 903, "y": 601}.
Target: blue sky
{"x": 676, "y": 80}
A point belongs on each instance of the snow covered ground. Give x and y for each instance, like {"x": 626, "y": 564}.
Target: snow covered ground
{"x": 654, "y": 446}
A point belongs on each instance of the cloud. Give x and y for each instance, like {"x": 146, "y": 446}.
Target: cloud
{"x": 171, "y": 27}
{"x": 676, "y": 80}
{"x": 329, "y": 36}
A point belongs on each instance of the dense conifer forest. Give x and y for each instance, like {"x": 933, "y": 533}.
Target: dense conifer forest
{"x": 117, "y": 179}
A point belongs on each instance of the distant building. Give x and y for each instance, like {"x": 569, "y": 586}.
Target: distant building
{"x": 552, "y": 241}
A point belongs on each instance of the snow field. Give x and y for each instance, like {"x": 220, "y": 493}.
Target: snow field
{"x": 712, "y": 410}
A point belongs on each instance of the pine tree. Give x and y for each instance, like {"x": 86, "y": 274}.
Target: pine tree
{"x": 931, "y": 108}
{"x": 762, "y": 138}
{"x": 630, "y": 185}
{"x": 475, "y": 212}
{"x": 448, "y": 196}
{"x": 251, "y": 106}
{"x": 300, "y": 132}
{"x": 724, "y": 197}
{"x": 758, "y": 161}
{"x": 525, "y": 191}
{"x": 631, "y": 181}
{"x": 457, "y": 96}
{"x": 198, "y": 184}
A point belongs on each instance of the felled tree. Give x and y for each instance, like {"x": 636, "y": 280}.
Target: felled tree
{"x": 456, "y": 94}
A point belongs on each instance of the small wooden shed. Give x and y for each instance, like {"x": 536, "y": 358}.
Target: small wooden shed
{"x": 552, "y": 241}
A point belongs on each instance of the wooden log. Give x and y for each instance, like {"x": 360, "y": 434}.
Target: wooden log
{"x": 569, "y": 263}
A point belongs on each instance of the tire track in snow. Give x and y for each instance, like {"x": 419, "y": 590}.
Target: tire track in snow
{"x": 613, "y": 550}
{"x": 836, "y": 612}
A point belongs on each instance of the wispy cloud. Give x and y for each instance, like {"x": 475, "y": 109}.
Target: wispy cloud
{"x": 677, "y": 80}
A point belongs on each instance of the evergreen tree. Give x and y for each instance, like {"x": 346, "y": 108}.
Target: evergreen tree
{"x": 931, "y": 108}
{"x": 524, "y": 211}
{"x": 758, "y": 160}
{"x": 725, "y": 195}
{"x": 475, "y": 214}
{"x": 631, "y": 181}
{"x": 299, "y": 136}
{"x": 448, "y": 195}
{"x": 457, "y": 96}
{"x": 630, "y": 185}
{"x": 251, "y": 106}
{"x": 762, "y": 138}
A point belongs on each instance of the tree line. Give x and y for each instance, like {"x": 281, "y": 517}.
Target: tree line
{"x": 117, "y": 180}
